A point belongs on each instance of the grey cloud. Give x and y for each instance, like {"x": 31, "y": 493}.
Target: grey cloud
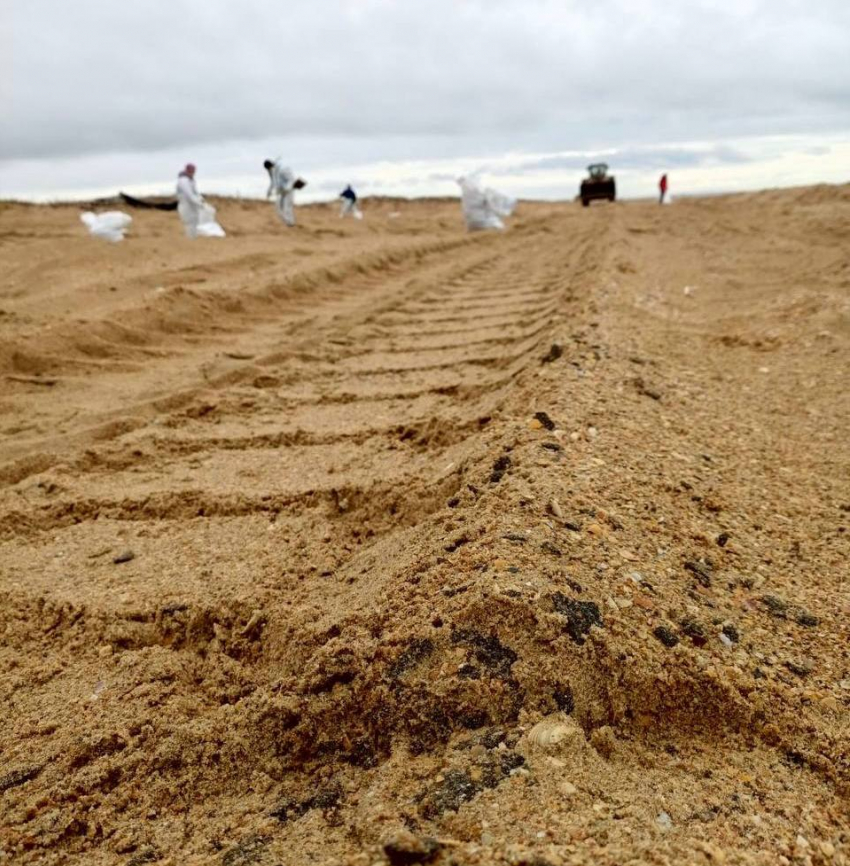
{"x": 96, "y": 93}
{"x": 659, "y": 158}
{"x": 96, "y": 76}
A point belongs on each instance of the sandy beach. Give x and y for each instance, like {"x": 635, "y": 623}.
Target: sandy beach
{"x": 383, "y": 542}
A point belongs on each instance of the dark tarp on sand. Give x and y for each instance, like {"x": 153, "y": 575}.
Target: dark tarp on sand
{"x": 155, "y": 205}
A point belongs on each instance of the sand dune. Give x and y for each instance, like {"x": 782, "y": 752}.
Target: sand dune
{"x": 382, "y": 542}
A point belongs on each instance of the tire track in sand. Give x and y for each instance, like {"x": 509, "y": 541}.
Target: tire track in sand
{"x": 357, "y": 421}
{"x": 282, "y": 484}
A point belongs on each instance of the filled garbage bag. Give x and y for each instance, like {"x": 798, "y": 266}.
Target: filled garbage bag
{"x": 349, "y": 208}
{"x": 207, "y": 225}
{"x": 502, "y": 204}
{"x": 483, "y": 208}
{"x": 110, "y": 225}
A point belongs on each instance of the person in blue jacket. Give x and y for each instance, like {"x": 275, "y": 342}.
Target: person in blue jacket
{"x": 349, "y": 204}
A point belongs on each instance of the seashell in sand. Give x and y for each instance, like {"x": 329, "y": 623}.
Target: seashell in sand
{"x": 553, "y": 732}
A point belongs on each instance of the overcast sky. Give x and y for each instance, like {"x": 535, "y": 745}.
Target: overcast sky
{"x": 400, "y": 97}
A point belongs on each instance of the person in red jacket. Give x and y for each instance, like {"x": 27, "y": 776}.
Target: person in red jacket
{"x": 662, "y": 185}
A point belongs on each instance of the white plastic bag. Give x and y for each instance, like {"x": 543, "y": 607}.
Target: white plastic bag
{"x": 207, "y": 225}
{"x": 483, "y": 208}
{"x": 110, "y": 225}
{"x": 349, "y": 208}
{"x": 502, "y": 204}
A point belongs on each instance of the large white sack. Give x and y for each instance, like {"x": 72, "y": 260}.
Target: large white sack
{"x": 482, "y": 208}
{"x": 502, "y": 204}
{"x": 110, "y": 225}
{"x": 207, "y": 225}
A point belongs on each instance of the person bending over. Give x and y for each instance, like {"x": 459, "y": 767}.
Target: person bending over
{"x": 282, "y": 184}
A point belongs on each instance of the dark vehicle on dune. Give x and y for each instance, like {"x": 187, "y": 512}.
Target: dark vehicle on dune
{"x": 598, "y": 184}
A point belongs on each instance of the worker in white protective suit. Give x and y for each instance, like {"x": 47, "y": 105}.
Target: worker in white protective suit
{"x": 189, "y": 201}
{"x": 283, "y": 183}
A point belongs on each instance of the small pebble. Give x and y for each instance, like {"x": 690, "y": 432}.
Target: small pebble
{"x": 800, "y": 667}
{"x": 664, "y": 821}
{"x": 404, "y": 848}
{"x": 604, "y": 741}
{"x": 126, "y": 556}
{"x": 256, "y": 621}
{"x": 553, "y": 354}
{"x": 778, "y": 607}
{"x": 666, "y": 636}
{"x": 694, "y": 631}
{"x": 700, "y": 570}
{"x": 730, "y": 631}
{"x": 807, "y": 619}
{"x": 544, "y": 420}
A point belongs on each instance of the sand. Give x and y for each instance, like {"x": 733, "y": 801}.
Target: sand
{"x": 381, "y": 542}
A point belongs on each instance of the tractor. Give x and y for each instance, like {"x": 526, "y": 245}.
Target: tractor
{"x": 599, "y": 184}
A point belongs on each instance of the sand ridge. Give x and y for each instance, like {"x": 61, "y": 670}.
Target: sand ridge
{"x": 383, "y": 542}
